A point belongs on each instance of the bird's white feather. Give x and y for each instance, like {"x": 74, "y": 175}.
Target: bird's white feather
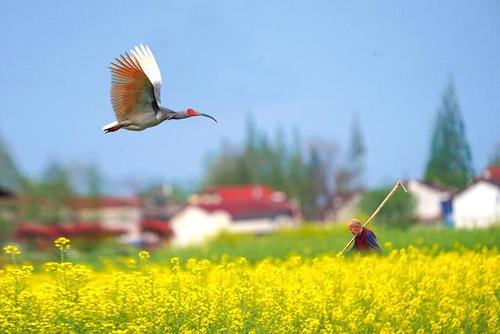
{"x": 110, "y": 125}
{"x": 148, "y": 63}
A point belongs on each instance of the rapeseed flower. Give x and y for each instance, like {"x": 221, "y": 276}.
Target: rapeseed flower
{"x": 62, "y": 243}
{"x": 144, "y": 255}
{"x": 11, "y": 249}
{"x": 409, "y": 291}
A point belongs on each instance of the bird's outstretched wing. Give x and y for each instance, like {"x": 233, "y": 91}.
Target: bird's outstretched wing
{"x": 135, "y": 82}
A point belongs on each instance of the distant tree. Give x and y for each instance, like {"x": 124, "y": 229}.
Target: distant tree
{"x": 343, "y": 180}
{"x": 398, "y": 212}
{"x": 320, "y": 167}
{"x": 356, "y": 154}
{"x": 298, "y": 185}
{"x": 47, "y": 199}
{"x": 225, "y": 167}
{"x": 6, "y": 228}
{"x": 280, "y": 161}
{"x": 161, "y": 200}
{"x": 94, "y": 181}
{"x": 495, "y": 156}
{"x": 246, "y": 166}
{"x": 450, "y": 160}
{"x": 57, "y": 180}
{"x": 302, "y": 173}
{"x": 349, "y": 177}
{"x": 10, "y": 176}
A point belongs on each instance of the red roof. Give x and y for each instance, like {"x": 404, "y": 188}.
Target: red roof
{"x": 33, "y": 229}
{"x": 242, "y": 193}
{"x": 434, "y": 185}
{"x": 252, "y": 210}
{"x": 492, "y": 174}
{"x": 104, "y": 202}
{"x": 157, "y": 226}
{"x": 246, "y": 202}
{"x": 68, "y": 230}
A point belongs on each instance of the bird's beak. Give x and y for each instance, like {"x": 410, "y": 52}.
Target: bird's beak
{"x": 202, "y": 114}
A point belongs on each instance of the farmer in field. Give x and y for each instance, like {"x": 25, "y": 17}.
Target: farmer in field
{"x": 365, "y": 240}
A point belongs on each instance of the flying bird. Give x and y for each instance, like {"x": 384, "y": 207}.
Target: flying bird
{"x": 135, "y": 93}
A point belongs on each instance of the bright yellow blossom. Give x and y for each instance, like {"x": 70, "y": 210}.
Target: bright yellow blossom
{"x": 144, "y": 255}
{"x": 62, "y": 243}
{"x": 11, "y": 249}
{"x": 409, "y": 291}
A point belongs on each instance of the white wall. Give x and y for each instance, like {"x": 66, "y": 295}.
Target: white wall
{"x": 128, "y": 218}
{"x": 428, "y": 200}
{"x": 262, "y": 225}
{"x": 477, "y": 206}
{"x": 194, "y": 225}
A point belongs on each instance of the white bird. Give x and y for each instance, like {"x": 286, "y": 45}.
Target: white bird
{"x": 135, "y": 93}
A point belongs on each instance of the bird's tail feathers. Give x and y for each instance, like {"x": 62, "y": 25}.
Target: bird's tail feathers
{"x": 111, "y": 127}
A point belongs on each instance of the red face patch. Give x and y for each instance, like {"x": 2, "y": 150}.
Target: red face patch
{"x": 192, "y": 112}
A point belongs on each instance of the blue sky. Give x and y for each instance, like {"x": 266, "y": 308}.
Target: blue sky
{"x": 306, "y": 65}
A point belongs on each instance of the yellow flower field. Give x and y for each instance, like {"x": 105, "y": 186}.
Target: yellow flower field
{"x": 407, "y": 291}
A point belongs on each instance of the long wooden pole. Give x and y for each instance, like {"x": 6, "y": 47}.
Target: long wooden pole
{"x": 389, "y": 195}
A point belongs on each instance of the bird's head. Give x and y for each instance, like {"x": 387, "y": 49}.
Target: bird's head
{"x": 191, "y": 112}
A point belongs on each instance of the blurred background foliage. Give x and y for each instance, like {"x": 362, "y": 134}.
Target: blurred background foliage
{"x": 307, "y": 171}
{"x": 398, "y": 212}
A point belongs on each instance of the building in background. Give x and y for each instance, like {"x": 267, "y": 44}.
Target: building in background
{"x": 7, "y": 212}
{"x": 194, "y": 225}
{"x": 5, "y": 193}
{"x": 433, "y": 202}
{"x": 478, "y": 205}
{"x": 112, "y": 213}
{"x": 343, "y": 206}
{"x": 252, "y": 208}
{"x": 156, "y": 232}
{"x": 86, "y": 218}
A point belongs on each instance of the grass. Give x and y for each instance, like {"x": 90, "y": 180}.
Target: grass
{"x": 312, "y": 240}
{"x": 308, "y": 241}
